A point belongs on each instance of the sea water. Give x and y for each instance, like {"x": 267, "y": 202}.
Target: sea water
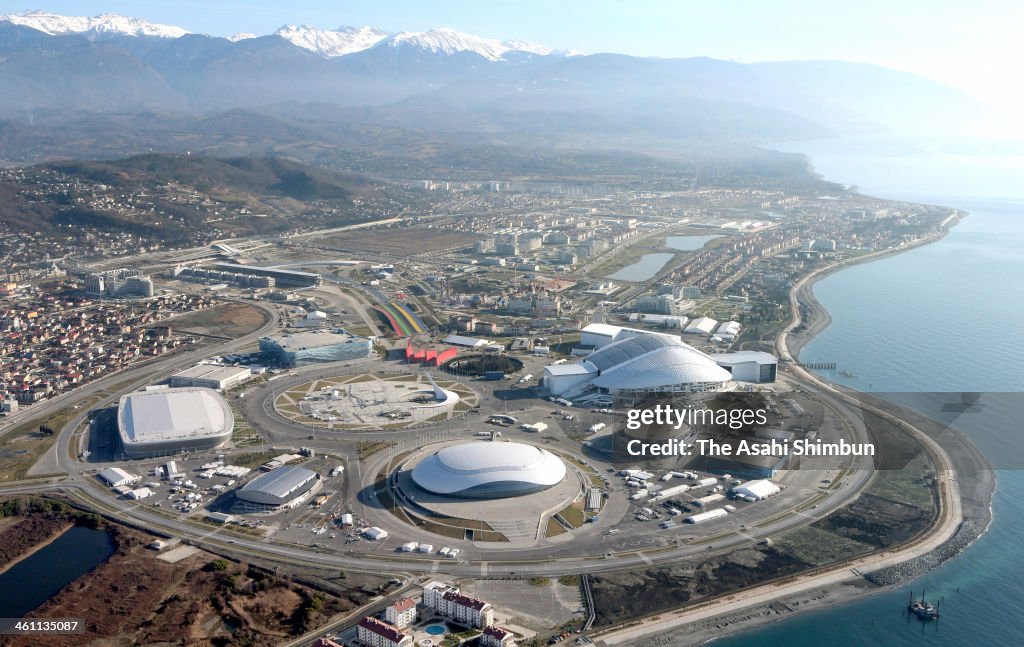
{"x": 943, "y": 317}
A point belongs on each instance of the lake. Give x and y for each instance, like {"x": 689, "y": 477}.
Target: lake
{"x": 37, "y": 578}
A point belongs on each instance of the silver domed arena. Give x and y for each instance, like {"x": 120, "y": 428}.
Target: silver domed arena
{"x": 489, "y": 470}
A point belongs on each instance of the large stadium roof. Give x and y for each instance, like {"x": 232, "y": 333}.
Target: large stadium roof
{"x": 172, "y": 414}
{"x": 652, "y": 361}
{"x": 489, "y": 469}
{"x": 277, "y": 486}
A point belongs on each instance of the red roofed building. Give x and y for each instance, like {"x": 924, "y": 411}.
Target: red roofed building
{"x": 495, "y": 636}
{"x": 402, "y": 613}
{"x": 449, "y": 601}
{"x": 376, "y": 633}
{"x": 326, "y": 642}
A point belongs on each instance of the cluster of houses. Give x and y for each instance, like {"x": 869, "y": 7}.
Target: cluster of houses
{"x": 52, "y": 344}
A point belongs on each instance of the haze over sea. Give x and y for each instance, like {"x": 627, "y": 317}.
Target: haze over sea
{"x": 944, "y": 317}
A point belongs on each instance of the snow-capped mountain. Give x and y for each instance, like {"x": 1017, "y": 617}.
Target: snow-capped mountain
{"x": 108, "y": 24}
{"x": 449, "y": 41}
{"x": 325, "y": 42}
{"x": 344, "y": 40}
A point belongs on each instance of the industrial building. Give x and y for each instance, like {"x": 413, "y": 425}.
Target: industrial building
{"x": 211, "y": 376}
{"x": 486, "y": 470}
{"x": 170, "y": 421}
{"x": 630, "y": 362}
{"x": 749, "y": 365}
{"x": 665, "y": 321}
{"x": 756, "y": 490}
{"x": 728, "y": 330}
{"x": 701, "y": 517}
{"x": 282, "y": 488}
{"x": 745, "y": 465}
{"x": 116, "y": 477}
{"x": 701, "y": 326}
{"x": 282, "y": 278}
{"x": 467, "y": 342}
{"x": 310, "y": 347}
{"x": 240, "y": 279}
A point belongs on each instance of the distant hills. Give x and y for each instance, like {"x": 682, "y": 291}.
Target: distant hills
{"x": 454, "y": 88}
{"x": 259, "y": 176}
{"x": 181, "y": 198}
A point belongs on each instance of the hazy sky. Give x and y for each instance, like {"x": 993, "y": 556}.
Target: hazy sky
{"x": 976, "y": 45}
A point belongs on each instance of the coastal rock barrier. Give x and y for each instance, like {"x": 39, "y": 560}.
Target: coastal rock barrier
{"x": 965, "y": 534}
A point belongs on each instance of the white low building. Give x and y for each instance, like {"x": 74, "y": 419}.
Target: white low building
{"x": 756, "y": 490}
{"x": 140, "y": 493}
{"x": 749, "y": 365}
{"x": 701, "y": 326}
{"x": 116, "y": 477}
{"x": 375, "y": 534}
{"x": 728, "y": 330}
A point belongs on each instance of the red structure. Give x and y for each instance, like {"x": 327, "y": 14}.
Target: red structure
{"x": 445, "y": 356}
{"x": 428, "y": 356}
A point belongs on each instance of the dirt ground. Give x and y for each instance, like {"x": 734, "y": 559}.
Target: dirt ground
{"x": 20, "y": 536}
{"x": 228, "y": 320}
{"x": 398, "y": 242}
{"x": 136, "y": 599}
{"x": 619, "y": 597}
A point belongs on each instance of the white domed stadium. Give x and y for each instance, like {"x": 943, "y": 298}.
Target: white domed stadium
{"x": 631, "y": 362}
{"x": 489, "y": 470}
{"x": 652, "y": 363}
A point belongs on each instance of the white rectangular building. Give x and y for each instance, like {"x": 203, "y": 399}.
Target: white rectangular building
{"x": 212, "y": 376}
{"x": 749, "y": 365}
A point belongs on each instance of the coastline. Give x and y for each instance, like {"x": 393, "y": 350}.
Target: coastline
{"x": 742, "y": 612}
{"x": 789, "y": 344}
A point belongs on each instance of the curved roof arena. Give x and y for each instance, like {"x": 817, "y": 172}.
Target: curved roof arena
{"x": 165, "y": 421}
{"x": 653, "y": 361}
{"x": 489, "y": 470}
{"x": 278, "y": 486}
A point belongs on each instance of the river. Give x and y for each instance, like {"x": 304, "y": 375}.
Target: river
{"x": 943, "y": 317}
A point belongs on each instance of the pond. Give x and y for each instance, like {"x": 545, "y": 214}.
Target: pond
{"x": 688, "y": 243}
{"x": 645, "y": 268}
{"x": 38, "y": 577}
